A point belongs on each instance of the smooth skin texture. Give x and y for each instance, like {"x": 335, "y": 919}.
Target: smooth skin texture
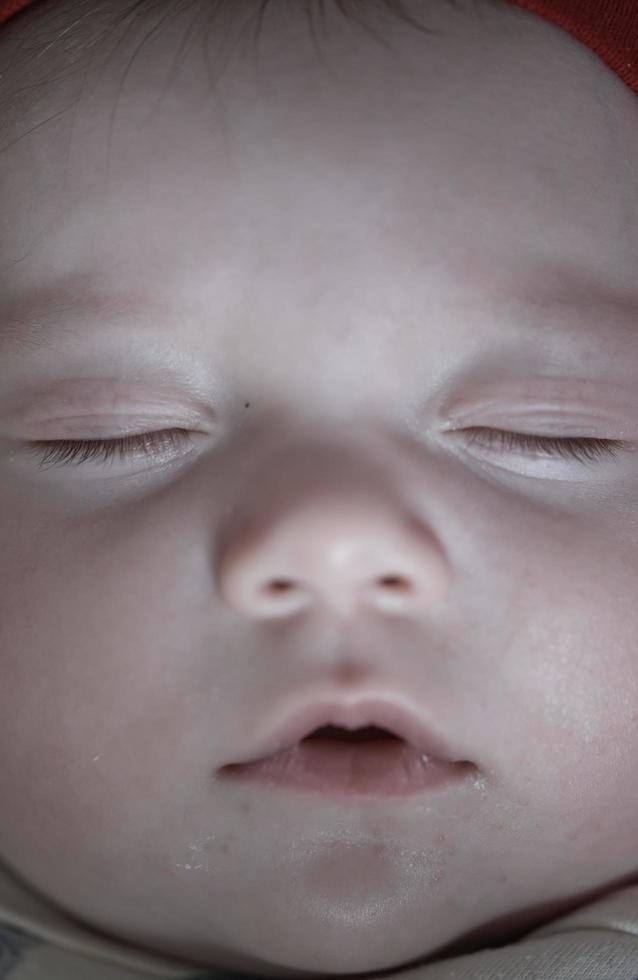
{"x": 315, "y": 260}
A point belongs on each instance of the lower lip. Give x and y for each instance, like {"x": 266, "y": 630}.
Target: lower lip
{"x": 375, "y": 768}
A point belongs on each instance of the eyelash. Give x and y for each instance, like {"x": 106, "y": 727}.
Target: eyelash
{"x": 64, "y": 452}
{"x": 582, "y": 449}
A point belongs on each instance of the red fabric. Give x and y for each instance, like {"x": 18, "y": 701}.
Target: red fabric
{"x": 608, "y": 27}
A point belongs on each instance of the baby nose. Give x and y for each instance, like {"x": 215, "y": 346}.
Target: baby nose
{"x": 335, "y": 555}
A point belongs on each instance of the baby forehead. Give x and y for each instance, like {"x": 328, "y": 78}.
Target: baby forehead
{"x": 280, "y": 44}
{"x": 68, "y": 28}
{"x": 609, "y": 31}
{"x": 380, "y": 58}
{"x": 376, "y": 128}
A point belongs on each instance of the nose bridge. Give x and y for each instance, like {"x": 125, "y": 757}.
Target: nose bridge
{"x": 329, "y": 530}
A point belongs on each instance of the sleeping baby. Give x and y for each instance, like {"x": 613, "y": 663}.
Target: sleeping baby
{"x": 318, "y": 489}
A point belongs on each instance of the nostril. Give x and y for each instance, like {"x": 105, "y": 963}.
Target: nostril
{"x": 279, "y": 585}
{"x": 284, "y": 585}
{"x": 394, "y": 582}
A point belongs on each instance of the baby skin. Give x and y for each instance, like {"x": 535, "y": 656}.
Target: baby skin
{"x": 371, "y": 282}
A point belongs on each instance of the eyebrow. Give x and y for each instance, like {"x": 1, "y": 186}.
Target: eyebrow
{"x": 38, "y": 314}
{"x": 78, "y": 297}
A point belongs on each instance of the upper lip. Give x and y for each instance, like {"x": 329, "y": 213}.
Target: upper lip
{"x": 398, "y": 718}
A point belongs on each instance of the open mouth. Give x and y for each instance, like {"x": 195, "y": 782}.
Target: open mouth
{"x": 334, "y": 733}
{"x": 371, "y": 748}
{"x": 330, "y": 760}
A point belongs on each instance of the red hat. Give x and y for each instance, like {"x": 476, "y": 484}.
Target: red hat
{"x": 608, "y": 27}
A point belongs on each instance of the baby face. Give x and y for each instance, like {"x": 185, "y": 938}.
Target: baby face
{"x": 340, "y": 264}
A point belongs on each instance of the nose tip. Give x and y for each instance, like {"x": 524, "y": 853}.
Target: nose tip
{"x": 339, "y": 557}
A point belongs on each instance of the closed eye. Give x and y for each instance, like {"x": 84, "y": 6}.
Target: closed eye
{"x": 585, "y": 450}
{"x": 65, "y": 452}
{"x": 68, "y": 452}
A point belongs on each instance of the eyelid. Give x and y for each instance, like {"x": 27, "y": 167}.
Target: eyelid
{"x": 582, "y": 448}
{"x": 64, "y": 452}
